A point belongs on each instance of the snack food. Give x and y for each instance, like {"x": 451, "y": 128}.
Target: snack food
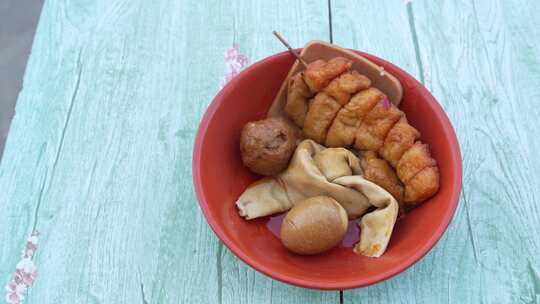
{"x": 377, "y": 170}
{"x": 314, "y": 171}
{"x": 314, "y": 225}
{"x": 267, "y": 145}
{"x": 320, "y": 50}
{"x": 341, "y": 100}
{"x": 345, "y": 111}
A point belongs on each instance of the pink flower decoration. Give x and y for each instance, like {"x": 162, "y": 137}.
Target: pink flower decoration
{"x": 25, "y": 272}
{"x": 235, "y": 62}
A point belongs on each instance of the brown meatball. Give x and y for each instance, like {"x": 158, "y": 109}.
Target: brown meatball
{"x": 267, "y": 145}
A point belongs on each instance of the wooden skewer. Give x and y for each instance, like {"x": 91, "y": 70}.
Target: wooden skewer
{"x": 291, "y": 50}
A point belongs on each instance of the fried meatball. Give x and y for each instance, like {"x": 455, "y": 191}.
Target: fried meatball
{"x": 267, "y": 145}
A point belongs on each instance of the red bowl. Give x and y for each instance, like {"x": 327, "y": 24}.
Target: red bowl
{"x": 220, "y": 177}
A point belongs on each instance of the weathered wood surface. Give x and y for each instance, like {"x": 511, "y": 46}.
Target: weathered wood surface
{"x": 99, "y": 154}
{"x": 481, "y": 60}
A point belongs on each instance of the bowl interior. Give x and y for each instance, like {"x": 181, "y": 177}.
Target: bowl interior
{"x": 220, "y": 178}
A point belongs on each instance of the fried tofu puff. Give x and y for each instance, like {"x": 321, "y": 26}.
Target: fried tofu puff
{"x": 337, "y": 107}
{"x": 298, "y": 95}
{"x": 321, "y": 113}
{"x": 347, "y": 84}
{"x": 398, "y": 140}
{"x": 319, "y": 73}
{"x": 419, "y": 172}
{"x": 378, "y": 171}
{"x": 343, "y": 130}
{"x": 422, "y": 186}
{"x": 376, "y": 124}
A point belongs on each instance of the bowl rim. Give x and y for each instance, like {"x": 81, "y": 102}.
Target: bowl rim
{"x": 455, "y": 153}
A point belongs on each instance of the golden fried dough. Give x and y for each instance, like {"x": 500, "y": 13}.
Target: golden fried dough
{"x": 321, "y": 113}
{"x": 343, "y": 130}
{"x": 267, "y": 145}
{"x": 341, "y": 88}
{"x": 345, "y": 111}
{"x": 398, "y": 140}
{"x": 319, "y": 73}
{"x": 297, "y": 99}
{"x": 423, "y": 185}
{"x": 376, "y": 124}
{"x": 413, "y": 161}
{"x": 377, "y": 170}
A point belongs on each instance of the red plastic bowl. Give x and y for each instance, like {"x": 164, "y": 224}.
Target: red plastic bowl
{"x": 220, "y": 177}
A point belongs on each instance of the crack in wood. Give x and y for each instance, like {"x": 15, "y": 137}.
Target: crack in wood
{"x": 61, "y": 143}
{"x": 330, "y": 21}
{"x": 219, "y": 272}
{"x": 143, "y": 296}
{"x": 469, "y": 225}
{"x": 412, "y": 27}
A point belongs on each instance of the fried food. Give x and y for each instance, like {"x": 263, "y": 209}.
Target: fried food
{"x": 376, "y": 124}
{"x": 321, "y": 113}
{"x": 422, "y": 186}
{"x": 319, "y": 73}
{"x": 419, "y": 172}
{"x": 343, "y": 130}
{"x": 342, "y": 87}
{"x": 267, "y": 145}
{"x": 413, "y": 161}
{"x": 297, "y": 99}
{"x": 398, "y": 140}
{"x": 378, "y": 171}
{"x": 346, "y": 111}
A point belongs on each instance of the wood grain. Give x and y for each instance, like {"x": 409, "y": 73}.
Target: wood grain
{"x": 480, "y": 60}
{"x": 99, "y": 154}
{"x": 253, "y": 23}
{"x": 99, "y": 157}
{"x": 380, "y": 28}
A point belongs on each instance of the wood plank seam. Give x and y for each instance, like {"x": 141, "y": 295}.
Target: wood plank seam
{"x": 414, "y": 36}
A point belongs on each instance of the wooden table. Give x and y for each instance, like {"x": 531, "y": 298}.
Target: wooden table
{"x": 98, "y": 159}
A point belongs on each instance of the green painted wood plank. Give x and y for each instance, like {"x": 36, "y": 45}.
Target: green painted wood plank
{"x": 101, "y": 147}
{"x": 254, "y": 21}
{"x": 380, "y": 28}
{"x": 26, "y": 168}
{"x": 493, "y": 108}
{"x": 480, "y": 59}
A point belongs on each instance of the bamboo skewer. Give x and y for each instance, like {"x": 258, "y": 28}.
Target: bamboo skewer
{"x": 291, "y": 50}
